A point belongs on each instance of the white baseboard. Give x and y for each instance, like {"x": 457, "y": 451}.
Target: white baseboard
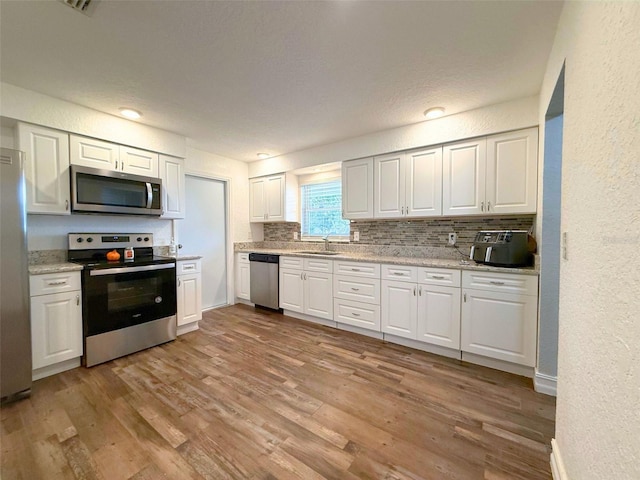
{"x": 547, "y": 384}
{"x": 498, "y": 364}
{"x": 557, "y": 465}
{"x": 310, "y": 318}
{"x": 425, "y": 347}
{"x": 359, "y": 330}
{"x": 189, "y": 327}
{"x": 54, "y": 369}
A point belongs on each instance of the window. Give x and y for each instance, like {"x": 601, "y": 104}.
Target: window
{"x": 321, "y": 210}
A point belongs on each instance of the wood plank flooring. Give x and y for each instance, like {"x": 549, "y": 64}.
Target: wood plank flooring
{"x": 257, "y": 395}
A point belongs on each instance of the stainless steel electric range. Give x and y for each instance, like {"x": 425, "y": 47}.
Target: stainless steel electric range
{"x": 128, "y": 304}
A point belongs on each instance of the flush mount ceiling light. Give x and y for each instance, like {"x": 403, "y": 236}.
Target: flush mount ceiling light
{"x": 130, "y": 113}
{"x": 263, "y": 155}
{"x": 434, "y": 112}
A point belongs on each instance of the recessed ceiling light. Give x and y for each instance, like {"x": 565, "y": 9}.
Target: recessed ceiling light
{"x": 263, "y": 155}
{"x": 130, "y": 113}
{"x": 434, "y": 112}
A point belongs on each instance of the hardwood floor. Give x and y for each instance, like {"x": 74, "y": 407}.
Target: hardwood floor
{"x": 257, "y": 395}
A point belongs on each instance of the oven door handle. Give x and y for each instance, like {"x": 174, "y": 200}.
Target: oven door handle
{"x": 149, "y": 195}
{"x": 145, "y": 268}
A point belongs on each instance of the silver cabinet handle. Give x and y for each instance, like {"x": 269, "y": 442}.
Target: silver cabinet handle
{"x": 301, "y": 276}
{"x": 355, "y": 289}
{"x": 179, "y": 282}
{"x": 495, "y": 282}
{"x": 482, "y": 206}
{"x": 465, "y": 298}
{"x": 414, "y": 291}
{"x": 399, "y": 273}
{"x": 66, "y": 204}
{"x": 59, "y": 282}
{"x": 116, "y": 164}
{"x": 77, "y": 299}
{"x": 488, "y": 206}
{"x": 420, "y": 290}
{"x": 355, "y": 269}
{"x": 355, "y": 314}
{"x": 438, "y": 277}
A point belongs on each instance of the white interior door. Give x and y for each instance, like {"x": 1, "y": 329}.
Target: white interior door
{"x": 203, "y": 232}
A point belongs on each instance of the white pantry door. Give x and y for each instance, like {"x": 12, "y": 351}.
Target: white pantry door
{"x": 203, "y": 232}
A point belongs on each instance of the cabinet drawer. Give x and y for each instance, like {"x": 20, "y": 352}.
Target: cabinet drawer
{"x": 358, "y": 314}
{"x": 184, "y": 267}
{"x": 291, "y": 262}
{"x": 54, "y": 283}
{"x": 501, "y": 282}
{"x": 439, "y": 276}
{"x": 318, "y": 265}
{"x": 243, "y": 258}
{"x": 357, "y": 269}
{"x": 360, "y": 289}
{"x": 401, "y": 273}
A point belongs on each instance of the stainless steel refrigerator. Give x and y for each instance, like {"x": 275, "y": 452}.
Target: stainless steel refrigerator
{"x": 15, "y": 325}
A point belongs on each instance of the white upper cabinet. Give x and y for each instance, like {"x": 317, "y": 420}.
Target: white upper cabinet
{"x": 357, "y": 188}
{"x": 463, "y": 177}
{"x": 273, "y": 198}
{"x": 423, "y": 187}
{"x": 46, "y": 169}
{"x": 512, "y": 172}
{"x": 90, "y": 152}
{"x": 408, "y": 184}
{"x": 492, "y": 175}
{"x": 173, "y": 196}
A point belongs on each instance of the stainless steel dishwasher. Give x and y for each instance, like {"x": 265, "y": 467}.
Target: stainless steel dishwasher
{"x": 264, "y": 280}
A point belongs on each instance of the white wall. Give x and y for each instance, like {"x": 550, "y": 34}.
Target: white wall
{"x": 29, "y": 106}
{"x": 521, "y": 113}
{"x": 598, "y": 405}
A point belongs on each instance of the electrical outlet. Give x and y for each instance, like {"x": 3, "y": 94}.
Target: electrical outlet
{"x": 295, "y": 235}
{"x": 453, "y": 238}
{"x": 356, "y": 236}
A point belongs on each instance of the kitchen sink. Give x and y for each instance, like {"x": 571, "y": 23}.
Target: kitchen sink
{"x": 307, "y": 252}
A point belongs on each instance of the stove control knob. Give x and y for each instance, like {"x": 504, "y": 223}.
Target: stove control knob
{"x": 79, "y": 240}
{"x": 139, "y": 239}
{"x": 89, "y": 239}
{"x": 146, "y": 239}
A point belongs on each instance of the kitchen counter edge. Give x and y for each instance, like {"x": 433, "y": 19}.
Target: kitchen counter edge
{"x": 412, "y": 261}
{"x": 43, "y": 268}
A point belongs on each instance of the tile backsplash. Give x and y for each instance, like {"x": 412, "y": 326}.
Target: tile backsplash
{"x": 419, "y": 232}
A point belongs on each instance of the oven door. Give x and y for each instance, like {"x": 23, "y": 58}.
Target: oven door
{"x": 121, "y": 297}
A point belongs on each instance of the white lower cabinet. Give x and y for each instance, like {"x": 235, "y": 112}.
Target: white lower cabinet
{"x": 243, "y": 276}
{"x": 399, "y": 308}
{"x": 439, "y": 315}
{"x": 56, "y": 322}
{"x": 496, "y": 323}
{"x": 308, "y": 289}
{"x": 189, "y": 295}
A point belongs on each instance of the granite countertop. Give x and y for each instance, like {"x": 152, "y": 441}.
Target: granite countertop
{"x": 183, "y": 257}
{"x": 43, "y": 268}
{"x": 397, "y": 260}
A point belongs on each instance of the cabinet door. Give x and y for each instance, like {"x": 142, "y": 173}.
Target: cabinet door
{"x": 399, "y": 307}
{"x": 463, "y": 178}
{"x": 138, "y": 162}
{"x": 424, "y": 183}
{"x": 291, "y": 290}
{"x": 274, "y": 194}
{"x": 46, "y": 169}
{"x": 243, "y": 281}
{"x": 439, "y": 315}
{"x": 318, "y": 294}
{"x": 172, "y": 175}
{"x": 512, "y": 172}
{"x": 257, "y": 207}
{"x": 357, "y": 189}
{"x": 499, "y": 325}
{"x": 90, "y": 152}
{"x": 389, "y": 184}
{"x": 56, "y": 328}
{"x": 189, "y": 301}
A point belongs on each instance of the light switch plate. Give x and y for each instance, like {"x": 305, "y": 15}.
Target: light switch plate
{"x": 453, "y": 238}
{"x": 295, "y": 235}
{"x": 356, "y": 236}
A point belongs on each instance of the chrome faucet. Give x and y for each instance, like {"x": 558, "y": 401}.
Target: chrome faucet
{"x": 326, "y": 242}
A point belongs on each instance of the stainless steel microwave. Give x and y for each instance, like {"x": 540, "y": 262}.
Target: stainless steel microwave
{"x": 104, "y": 191}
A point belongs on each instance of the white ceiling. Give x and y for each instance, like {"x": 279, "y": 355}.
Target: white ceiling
{"x": 241, "y": 77}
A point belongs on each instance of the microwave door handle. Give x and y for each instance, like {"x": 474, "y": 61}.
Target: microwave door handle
{"x": 149, "y": 195}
